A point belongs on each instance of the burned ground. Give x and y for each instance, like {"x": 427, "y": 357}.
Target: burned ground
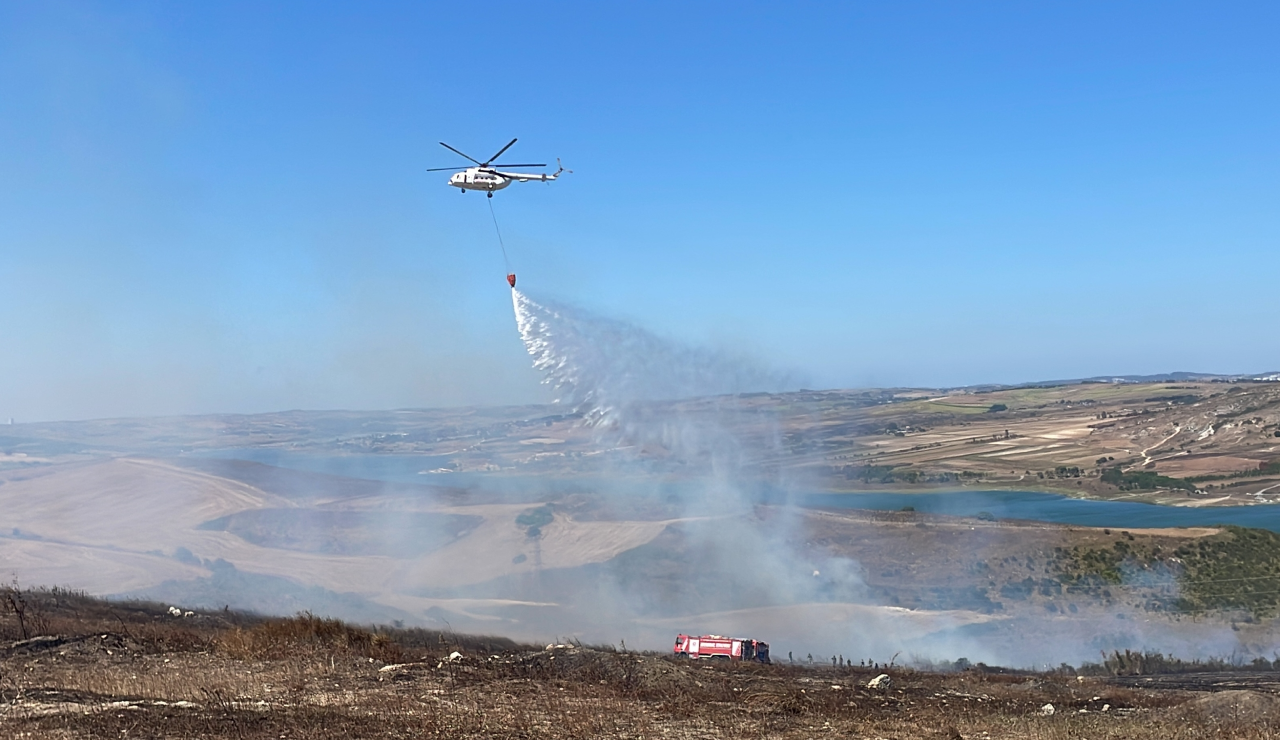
{"x": 136, "y": 670}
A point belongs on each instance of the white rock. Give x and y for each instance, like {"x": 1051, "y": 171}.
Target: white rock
{"x": 1047, "y": 710}
{"x": 455, "y": 656}
{"x": 881, "y": 682}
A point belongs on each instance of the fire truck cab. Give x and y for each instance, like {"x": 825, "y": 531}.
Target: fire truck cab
{"x": 724, "y": 648}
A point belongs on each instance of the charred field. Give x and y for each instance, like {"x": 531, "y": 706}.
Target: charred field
{"x": 77, "y": 667}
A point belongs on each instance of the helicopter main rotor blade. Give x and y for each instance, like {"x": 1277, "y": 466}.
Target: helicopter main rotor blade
{"x": 499, "y": 154}
{"x": 445, "y": 169}
{"x": 455, "y": 151}
{"x": 517, "y": 165}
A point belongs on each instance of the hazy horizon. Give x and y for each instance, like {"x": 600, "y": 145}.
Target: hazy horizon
{"x": 550, "y": 401}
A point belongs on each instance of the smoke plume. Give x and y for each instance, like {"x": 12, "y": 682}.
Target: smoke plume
{"x": 751, "y": 570}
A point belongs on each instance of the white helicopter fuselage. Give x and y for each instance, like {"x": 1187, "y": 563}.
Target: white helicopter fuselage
{"x": 478, "y": 178}
{"x": 491, "y": 180}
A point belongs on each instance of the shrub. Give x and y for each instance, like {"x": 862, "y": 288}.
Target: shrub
{"x": 1143, "y": 480}
{"x": 1238, "y": 569}
{"x": 539, "y": 517}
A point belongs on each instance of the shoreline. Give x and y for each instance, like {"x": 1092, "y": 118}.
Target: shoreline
{"x": 1158, "y": 497}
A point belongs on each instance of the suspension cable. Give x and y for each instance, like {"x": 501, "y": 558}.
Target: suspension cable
{"x": 502, "y": 246}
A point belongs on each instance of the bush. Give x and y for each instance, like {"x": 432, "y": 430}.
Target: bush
{"x": 997, "y": 407}
{"x": 1238, "y": 569}
{"x": 539, "y": 517}
{"x": 534, "y": 520}
{"x": 1144, "y": 480}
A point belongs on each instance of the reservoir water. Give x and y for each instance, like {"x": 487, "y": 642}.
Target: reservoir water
{"x": 1032, "y": 505}
{"x": 389, "y": 468}
{"x": 1052, "y": 507}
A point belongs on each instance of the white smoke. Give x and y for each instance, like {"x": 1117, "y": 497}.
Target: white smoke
{"x": 769, "y": 580}
{"x": 624, "y": 381}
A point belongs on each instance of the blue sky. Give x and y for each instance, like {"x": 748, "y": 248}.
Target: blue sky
{"x": 222, "y": 207}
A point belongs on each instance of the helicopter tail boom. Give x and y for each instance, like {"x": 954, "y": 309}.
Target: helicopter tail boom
{"x": 528, "y": 176}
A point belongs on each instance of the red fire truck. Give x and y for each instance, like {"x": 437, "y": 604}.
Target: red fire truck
{"x": 725, "y": 648}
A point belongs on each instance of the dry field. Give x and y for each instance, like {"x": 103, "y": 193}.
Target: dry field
{"x": 605, "y": 569}
{"x": 573, "y": 533}
{"x": 1057, "y": 437}
{"x": 134, "y": 671}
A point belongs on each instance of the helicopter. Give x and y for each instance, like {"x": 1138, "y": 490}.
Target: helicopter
{"x": 486, "y": 176}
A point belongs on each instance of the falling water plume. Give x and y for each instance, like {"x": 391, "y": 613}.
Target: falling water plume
{"x": 604, "y": 367}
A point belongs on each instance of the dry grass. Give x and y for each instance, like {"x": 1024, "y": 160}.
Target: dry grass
{"x": 277, "y": 639}
{"x": 239, "y": 676}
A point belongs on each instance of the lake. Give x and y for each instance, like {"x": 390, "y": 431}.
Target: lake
{"x": 1045, "y": 507}
{"x": 1052, "y": 507}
